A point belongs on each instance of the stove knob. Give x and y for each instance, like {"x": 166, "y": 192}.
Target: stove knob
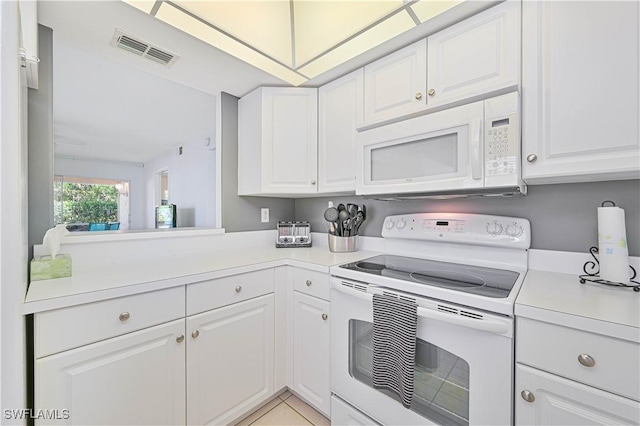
{"x": 514, "y": 230}
{"x": 494, "y": 228}
{"x": 388, "y": 224}
{"x": 401, "y": 224}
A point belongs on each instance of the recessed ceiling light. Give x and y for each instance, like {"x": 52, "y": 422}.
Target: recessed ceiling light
{"x": 294, "y": 40}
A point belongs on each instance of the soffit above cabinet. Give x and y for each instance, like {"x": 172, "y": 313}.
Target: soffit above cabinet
{"x": 299, "y": 40}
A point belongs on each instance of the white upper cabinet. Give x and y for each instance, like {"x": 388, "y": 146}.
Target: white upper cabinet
{"x": 340, "y": 112}
{"x": 581, "y": 91}
{"x": 475, "y": 57}
{"x": 278, "y": 142}
{"x": 396, "y": 84}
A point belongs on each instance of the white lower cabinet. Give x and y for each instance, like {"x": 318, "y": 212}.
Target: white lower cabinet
{"x": 138, "y": 378}
{"x": 146, "y": 364}
{"x": 311, "y": 351}
{"x": 574, "y": 376}
{"x": 546, "y": 399}
{"x": 230, "y": 360}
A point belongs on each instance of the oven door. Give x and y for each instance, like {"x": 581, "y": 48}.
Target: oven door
{"x": 463, "y": 370}
{"x": 435, "y": 152}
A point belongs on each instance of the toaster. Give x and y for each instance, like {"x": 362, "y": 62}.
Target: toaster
{"x": 293, "y": 234}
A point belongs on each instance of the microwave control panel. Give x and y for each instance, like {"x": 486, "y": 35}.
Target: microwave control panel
{"x": 501, "y": 145}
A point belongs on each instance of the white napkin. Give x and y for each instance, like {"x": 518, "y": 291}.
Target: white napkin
{"x": 52, "y": 239}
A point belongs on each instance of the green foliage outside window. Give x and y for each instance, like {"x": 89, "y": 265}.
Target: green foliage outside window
{"x": 84, "y": 203}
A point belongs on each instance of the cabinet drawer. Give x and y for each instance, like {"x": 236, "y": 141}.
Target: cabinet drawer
{"x": 62, "y": 329}
{"x": 559, "y": 350}
{"x": 207, "y": 295}
{"x": 313, "y": 283}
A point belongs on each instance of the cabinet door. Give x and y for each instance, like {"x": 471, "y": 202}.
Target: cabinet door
{"x": 230, "y": 364}
{"x": 290, "y": 140}
{"x": 340, "y": 113}
{"x": 558, "y": 401}
{"x": 395, "y": 85}
{"x": 138, "y": 378}
{"x": 476, "y": 56}
{"x": 311, "y": 351}
{"x": 581, "y": 91}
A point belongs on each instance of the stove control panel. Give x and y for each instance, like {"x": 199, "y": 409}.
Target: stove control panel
{"x": 461, "y": 228}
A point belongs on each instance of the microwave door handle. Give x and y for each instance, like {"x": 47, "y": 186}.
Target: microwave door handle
{"x": 476, "y": 157}
{"x": 489, "y": 325}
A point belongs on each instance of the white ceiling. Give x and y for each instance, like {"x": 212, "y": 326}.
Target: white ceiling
{"x": 109, "y": 103}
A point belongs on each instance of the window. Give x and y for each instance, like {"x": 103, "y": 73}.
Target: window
{"x": 84, "y": 203}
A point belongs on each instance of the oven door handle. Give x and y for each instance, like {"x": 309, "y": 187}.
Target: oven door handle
{"x": 490, "y": 325}
{"x": 351, "y": 292}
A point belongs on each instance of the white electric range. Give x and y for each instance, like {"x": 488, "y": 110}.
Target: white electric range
{"x": 463, "y": 272}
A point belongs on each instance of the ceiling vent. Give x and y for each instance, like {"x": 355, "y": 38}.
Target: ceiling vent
{"x": 141, "y": 48}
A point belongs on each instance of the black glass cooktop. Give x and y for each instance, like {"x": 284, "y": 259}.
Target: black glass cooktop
{"x": 483, "y": 281}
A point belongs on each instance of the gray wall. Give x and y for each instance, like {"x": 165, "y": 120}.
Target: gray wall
{"x": 563, "y": 217}
{"x": 243, "y": 213}
{"x": 40, "y": 141}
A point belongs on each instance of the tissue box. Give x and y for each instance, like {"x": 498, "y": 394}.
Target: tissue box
{"x": 46, "y": 268}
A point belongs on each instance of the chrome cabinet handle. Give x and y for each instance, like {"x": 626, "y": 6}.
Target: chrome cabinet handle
{"x": 432, "y": 92}
{"x": 325, "y": 316}
{"x": 180, "y": 338}
{"x": 195, "y": 333}
{"x": 532, "y": 158}
{"x": 313, "y": 182}
{"x": 124, "y": 316}
{"x": 527, "y": 396}
{"x": 238, "y": 289}
{"x": 586, "y": 360}
{"x": 309, "y": 283}
{"x": 418, "y": 95}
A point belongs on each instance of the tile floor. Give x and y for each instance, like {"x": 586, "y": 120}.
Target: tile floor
{"x": 286, "y": 410}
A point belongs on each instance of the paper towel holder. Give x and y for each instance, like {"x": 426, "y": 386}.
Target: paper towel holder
{"x": 591, "y": 270}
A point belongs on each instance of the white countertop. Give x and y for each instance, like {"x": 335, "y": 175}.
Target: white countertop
{"x": 104, "y": 270}
{"x": 107, "y": 280}
{"x": 561, "y": 299}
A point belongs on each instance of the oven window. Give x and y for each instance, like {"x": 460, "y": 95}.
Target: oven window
{"x": 433, "y": 156}
{"x": 441, "y": 386}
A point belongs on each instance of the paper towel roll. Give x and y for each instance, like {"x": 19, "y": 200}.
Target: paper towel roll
{"x": 612, "y": 245}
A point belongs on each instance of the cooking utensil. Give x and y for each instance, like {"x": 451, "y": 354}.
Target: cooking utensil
{"x": 342, "y": 217}
{"x": 352, "y": 209}
{"x": 331, "y": 215}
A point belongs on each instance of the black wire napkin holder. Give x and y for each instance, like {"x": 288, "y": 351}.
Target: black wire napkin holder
{"x": 591, "y": 270}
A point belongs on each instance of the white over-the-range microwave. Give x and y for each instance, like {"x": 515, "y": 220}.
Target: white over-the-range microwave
{"x": 468, "y": 150}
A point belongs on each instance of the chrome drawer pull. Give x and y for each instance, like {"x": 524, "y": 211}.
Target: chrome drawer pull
{"x": 124, "y": 316}
{"x": 527, "y": 396}
{"x": 308, "y": 283}
{"x": 180, "y": 338}
{"x": 238, "y": 289}
{"x": 325, "y": 316}
{"x": 195, "y": 333}
{"x": 586, "y": 360}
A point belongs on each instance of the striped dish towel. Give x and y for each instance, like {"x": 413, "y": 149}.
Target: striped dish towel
{"x": 395, "y": 323}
